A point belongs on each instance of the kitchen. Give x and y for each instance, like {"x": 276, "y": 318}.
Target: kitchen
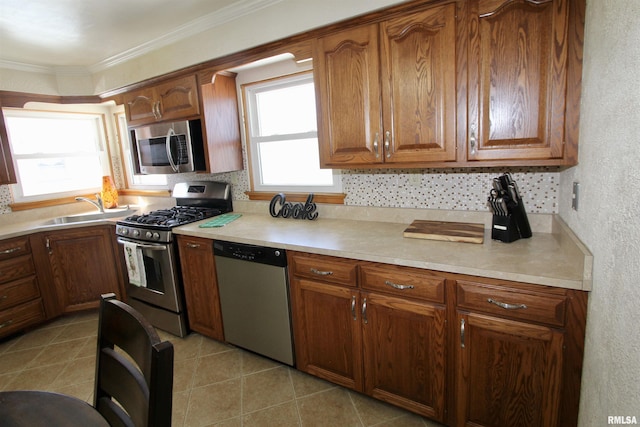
{"x": 606, "y": 160}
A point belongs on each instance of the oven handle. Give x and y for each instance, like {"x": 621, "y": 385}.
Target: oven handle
{"x": 143, "y": 246}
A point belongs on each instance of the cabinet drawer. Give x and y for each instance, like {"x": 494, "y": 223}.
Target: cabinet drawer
{"x": 403, "y": 281}
{"x": 21, "y": 316}
{"x": 14, "y": 247}
{"x": 512, "y": 303}
{"x": 325, "y": 268}
{"x": 15, "y": 268}
{"x": 18, "y": 291}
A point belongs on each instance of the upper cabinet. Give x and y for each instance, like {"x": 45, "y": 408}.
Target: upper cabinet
{"x": 459, "y": 84}
{"x": 517, "y": 79}
{"x": 171, "y": 100}
{"x": 7, "y": 172}
{"x": 387, "y": 91}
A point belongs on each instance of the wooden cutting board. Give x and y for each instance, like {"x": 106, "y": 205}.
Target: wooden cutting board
{"x": 445, "y": 230}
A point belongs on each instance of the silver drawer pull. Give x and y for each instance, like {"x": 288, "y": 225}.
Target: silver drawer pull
{"x": 397, "y": 286}
{"x": 4, "y": 297}
{"x": 5, "y": 324}
{"x": 10, "y": 251}
{"x": 193, "y": 245}
{"x": 321, "y": 273}
{"x": 507, "y": 306}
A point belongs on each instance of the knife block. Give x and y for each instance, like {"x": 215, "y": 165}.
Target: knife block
{"x": 504, "y": 228}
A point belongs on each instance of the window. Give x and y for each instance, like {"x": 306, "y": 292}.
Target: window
{"x": 283, "y": 137}
{"x": 56, "y": 153}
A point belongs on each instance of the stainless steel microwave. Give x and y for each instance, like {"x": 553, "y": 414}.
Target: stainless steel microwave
{"x": 167, "y": 148}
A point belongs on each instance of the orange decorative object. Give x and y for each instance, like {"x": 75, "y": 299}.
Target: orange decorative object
{"x": 109, "y": 193}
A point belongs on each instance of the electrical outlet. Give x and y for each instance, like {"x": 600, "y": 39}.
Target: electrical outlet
{"x": 574, "y": 197}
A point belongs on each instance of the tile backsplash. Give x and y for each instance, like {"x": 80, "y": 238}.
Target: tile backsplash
{"x": 451, "y": 189}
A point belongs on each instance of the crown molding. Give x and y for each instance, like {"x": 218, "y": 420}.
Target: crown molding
{"x": 29, "y": 68}
{"x": 199, "y": 25}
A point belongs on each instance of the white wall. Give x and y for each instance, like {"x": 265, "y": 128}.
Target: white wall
{"x": 607, "y": 219}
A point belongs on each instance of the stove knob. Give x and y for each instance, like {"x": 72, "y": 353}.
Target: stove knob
{"x": 148, "y": 235}
{"x": 156, "y": 236}
{"x": 124, "y": 231}
{"x": 136, "y": 233}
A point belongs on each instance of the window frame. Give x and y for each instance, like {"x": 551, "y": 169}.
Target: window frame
{"x": 248, "y": 91}
{"x": 102, "y": 150}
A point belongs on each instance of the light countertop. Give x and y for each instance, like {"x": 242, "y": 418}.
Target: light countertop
{"x": 555, "y": 258}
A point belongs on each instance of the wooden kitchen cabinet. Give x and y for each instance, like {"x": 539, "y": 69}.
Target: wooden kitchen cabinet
{"x": 516, "y": 359}
{"x": 171, "y": 100}
{"x": 77, "y": 266}
{"x": 200, "y": 286}
{"x": 518, "y": 65}
{"x": 326, "y": 327}
{"x": 20, "y": 301}
{"x": 387, "y": 92}
{"x": 387, "y": 346}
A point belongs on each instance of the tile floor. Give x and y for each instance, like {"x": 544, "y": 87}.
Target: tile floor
{"x": 214, "y": 384}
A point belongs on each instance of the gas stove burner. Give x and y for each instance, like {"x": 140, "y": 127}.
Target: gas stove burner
{"x": 178, "y": 215}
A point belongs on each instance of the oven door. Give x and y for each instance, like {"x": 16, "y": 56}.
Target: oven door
{"x": 161, "y": 272}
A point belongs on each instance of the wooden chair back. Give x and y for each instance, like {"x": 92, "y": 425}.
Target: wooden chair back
{"x": 134, "y": 369}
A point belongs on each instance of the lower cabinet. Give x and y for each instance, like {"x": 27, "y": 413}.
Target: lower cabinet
{"x": 77, "y": 265}
{"x": 519, "y": 354}
{"x": 389, "y": 347}
{"x": 20, "y": 301}
{"x": 462, "y": 350}
{"x": 200, "y": 286}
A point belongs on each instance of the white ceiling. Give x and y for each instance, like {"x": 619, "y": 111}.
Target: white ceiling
{"x": 92, "y": 33}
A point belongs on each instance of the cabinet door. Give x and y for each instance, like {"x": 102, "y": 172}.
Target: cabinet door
{"x": 418, "y": 53}
{"x": 346, "y": 67}
{"x": 83, "y": 266}
{"x": 404, "y": 353}
{"x": 178, "y": 98}
{"x": 200, "y": 286}
{"x": 140, "y": 107}
{"x": 327, "y": 332}
{"x": 517, "y": 79}
{"x": 509, "y": 372}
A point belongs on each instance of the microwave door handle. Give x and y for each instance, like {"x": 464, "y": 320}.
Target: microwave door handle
{"x": 168, "y": 147}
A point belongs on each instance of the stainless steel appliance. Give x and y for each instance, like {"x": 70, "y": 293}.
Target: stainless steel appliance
{"x": 155, "y": 284}
{"x": 254, "y": 299}
{"x": 166, "y": 148}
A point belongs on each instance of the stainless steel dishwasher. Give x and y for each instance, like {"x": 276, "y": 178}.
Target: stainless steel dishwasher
{"x": 254, "y": 299}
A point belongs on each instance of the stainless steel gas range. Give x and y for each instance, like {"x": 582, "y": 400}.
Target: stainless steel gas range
{"x": 155, "y": 283}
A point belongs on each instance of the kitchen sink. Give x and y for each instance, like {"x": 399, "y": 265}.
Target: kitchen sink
{"x": 92, "y": 216}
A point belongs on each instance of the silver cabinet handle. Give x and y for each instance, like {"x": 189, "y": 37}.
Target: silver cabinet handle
{"x": 506, "y": 306}
{"x": 193, "y": 245}
{"x": 462, "y": 333}
{"x": 398, "y": 286}
{"x": 387, "y": 137}
{"x": 353, "y": 308}
{"x": 364, "y": 311}
{"x": 10, "y": 250}
{"x": 473, "y": 141}
{"x": 375, "y": 146}
{"x": 4, "y": 297}
{"x": 5, "y": 324}
{"x": 48, "y": 246}
{"x": 156, "y": 110}
{"x": 321, "y": 273}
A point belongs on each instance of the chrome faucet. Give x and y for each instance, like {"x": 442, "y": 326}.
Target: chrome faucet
{"x": 97, "y": 203}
